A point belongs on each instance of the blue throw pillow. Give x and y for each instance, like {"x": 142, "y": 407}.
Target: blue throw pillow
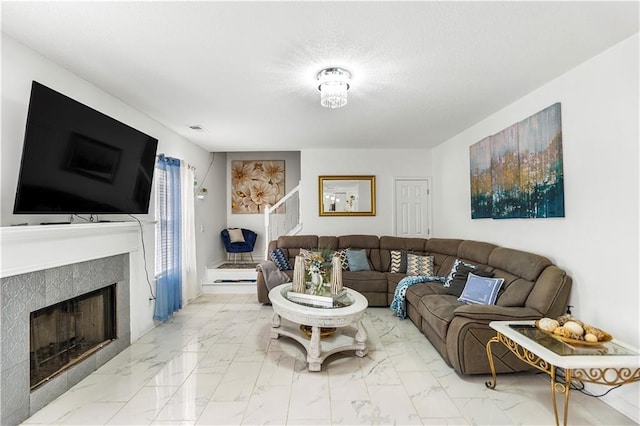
{"x": 280, "y": 257}
{"x": 357, "y": 260}
{"x": 481, "y": 290}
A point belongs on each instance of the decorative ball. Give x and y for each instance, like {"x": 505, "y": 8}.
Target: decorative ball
{"x": 548, "y": 324}
{"x": 574, "y": 328}
{"x": 590, "y": 337}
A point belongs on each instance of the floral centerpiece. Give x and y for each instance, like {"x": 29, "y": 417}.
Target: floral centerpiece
{"x": 318, "y": 271}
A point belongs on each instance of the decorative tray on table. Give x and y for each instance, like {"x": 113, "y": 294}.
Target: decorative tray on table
{"x": 325, "y": 298}
{"x": 605, "y": 337}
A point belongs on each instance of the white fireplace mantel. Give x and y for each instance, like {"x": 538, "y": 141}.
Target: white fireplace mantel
{"x": 34, "y": 248}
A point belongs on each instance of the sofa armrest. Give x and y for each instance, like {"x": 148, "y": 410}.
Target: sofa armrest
{"x": 262, "y": 290}
{"x": 496, "y": 313}
{"x": 469, "y": 332}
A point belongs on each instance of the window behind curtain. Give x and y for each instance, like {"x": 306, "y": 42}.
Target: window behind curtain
{"x": 161, "y": 190}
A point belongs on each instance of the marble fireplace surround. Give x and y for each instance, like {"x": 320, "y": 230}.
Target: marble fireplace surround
{"x": 43, "y": 265}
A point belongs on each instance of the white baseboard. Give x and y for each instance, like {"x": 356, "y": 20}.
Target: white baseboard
{"x": 229, "y": 288}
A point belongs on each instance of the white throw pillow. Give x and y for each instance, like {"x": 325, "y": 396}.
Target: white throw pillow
{"x": 235, "y": 234}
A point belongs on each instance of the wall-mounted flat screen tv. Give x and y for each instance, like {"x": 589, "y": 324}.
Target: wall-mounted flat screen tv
{"x": 76, "y": 160}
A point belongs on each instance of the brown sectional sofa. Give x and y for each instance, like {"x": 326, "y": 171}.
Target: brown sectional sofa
{"x": 533, "y": 288}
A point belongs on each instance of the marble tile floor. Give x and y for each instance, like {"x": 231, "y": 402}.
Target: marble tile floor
{"x": 214, "y": 363}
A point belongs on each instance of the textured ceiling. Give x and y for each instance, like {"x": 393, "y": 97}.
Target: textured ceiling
{"x": 245, "y": 71}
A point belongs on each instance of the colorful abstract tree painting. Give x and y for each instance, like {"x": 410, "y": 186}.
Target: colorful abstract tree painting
{"x": 518, "y": 172}
{"x": 480, "y": 161}
{"x": 255, "y": 184}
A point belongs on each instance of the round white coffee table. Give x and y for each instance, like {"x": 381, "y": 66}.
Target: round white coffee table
{"x": 350, "y": 334}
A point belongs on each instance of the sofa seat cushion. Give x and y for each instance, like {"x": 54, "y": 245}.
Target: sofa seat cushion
{"x": 438, "y": 310}
{"x": 418, "y": 291}
{"x": 365, "y": 281}
{"x": 393, "y": 279}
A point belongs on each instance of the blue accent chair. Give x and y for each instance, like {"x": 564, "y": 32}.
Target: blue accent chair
{"x": 239, "y": 247}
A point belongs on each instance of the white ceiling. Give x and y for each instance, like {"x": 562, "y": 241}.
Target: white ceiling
{"x": 245, "y": 71}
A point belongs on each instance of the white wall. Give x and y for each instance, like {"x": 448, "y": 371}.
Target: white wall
{"x": 597, "y": 241}
{"x": 385, "y": 164}
{"x": 212, "y": 213}
{"x": 21, "y": 65}
{"x": 255, "y": 222}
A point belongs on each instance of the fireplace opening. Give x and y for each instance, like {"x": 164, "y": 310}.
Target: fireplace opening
{"x": 64, "y": 334}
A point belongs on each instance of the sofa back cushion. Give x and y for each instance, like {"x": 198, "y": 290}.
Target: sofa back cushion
{"x": 523, "y": 264}
{"x": 358, "y": 241}
{"x": 475, "y": 251}
{"x": 444, "y": 252}
{"x": 515, "y": 292}
{"x": 370, "y": 244}
{"x": 327, "y": 243}
{"x": 402, "y": 244}
{"x": 298, "y": 242}
{"x": 293, "y": 244}
{"x": 520, "y": 271}
{"x": 447, "y": 246}
{"x": 551, "y": 292}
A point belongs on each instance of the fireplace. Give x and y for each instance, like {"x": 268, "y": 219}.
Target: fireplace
{"x": 65, "y": 333}
{"x": 34, "y": 297}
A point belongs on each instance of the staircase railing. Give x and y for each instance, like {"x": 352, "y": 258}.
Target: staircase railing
{"x": 283, "y": 218}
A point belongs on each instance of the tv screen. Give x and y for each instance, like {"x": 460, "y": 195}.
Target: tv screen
{"x": 76, "y": 160}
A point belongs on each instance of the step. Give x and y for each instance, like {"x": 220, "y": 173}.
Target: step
{"x": 232, "y": 288}
{"x": 230, "y": 274}
{"x": 237, "y": 280}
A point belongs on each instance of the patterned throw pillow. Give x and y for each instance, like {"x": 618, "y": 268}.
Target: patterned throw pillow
{"x": 280, "y": 257}
{"x": 398, "y": 262}
{"x": 454, "y": 269}
{"x": 342, "y": 255}
{"x": 419, "y": 265}
{"x": 460, "y": 279}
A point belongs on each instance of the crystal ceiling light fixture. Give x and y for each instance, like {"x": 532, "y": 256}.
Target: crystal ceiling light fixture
{"x": 333, "y": 87}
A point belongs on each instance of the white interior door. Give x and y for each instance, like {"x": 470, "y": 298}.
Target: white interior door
{"x": 412, "y": 207}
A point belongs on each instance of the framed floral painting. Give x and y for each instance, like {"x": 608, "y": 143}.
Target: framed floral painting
{"x": 255, "y": 184}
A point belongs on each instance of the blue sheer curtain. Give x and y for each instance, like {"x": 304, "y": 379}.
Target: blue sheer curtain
{"x": 168, "y": 240}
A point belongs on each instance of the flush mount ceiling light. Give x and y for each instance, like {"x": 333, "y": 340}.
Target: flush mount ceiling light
{"x": 333, "y": 87}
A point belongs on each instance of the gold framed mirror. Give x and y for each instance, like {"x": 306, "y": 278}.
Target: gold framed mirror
{"x": 347, "y": 195}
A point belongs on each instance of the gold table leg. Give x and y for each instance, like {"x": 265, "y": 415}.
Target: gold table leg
{"x": 604, "y": 376}
{"x": 534, "y": 361}
{"x": 491, "y": 384}
{"x": 562, "y": 389}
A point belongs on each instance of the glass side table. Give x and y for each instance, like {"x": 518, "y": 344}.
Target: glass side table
{"x": 611, "y": 363}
